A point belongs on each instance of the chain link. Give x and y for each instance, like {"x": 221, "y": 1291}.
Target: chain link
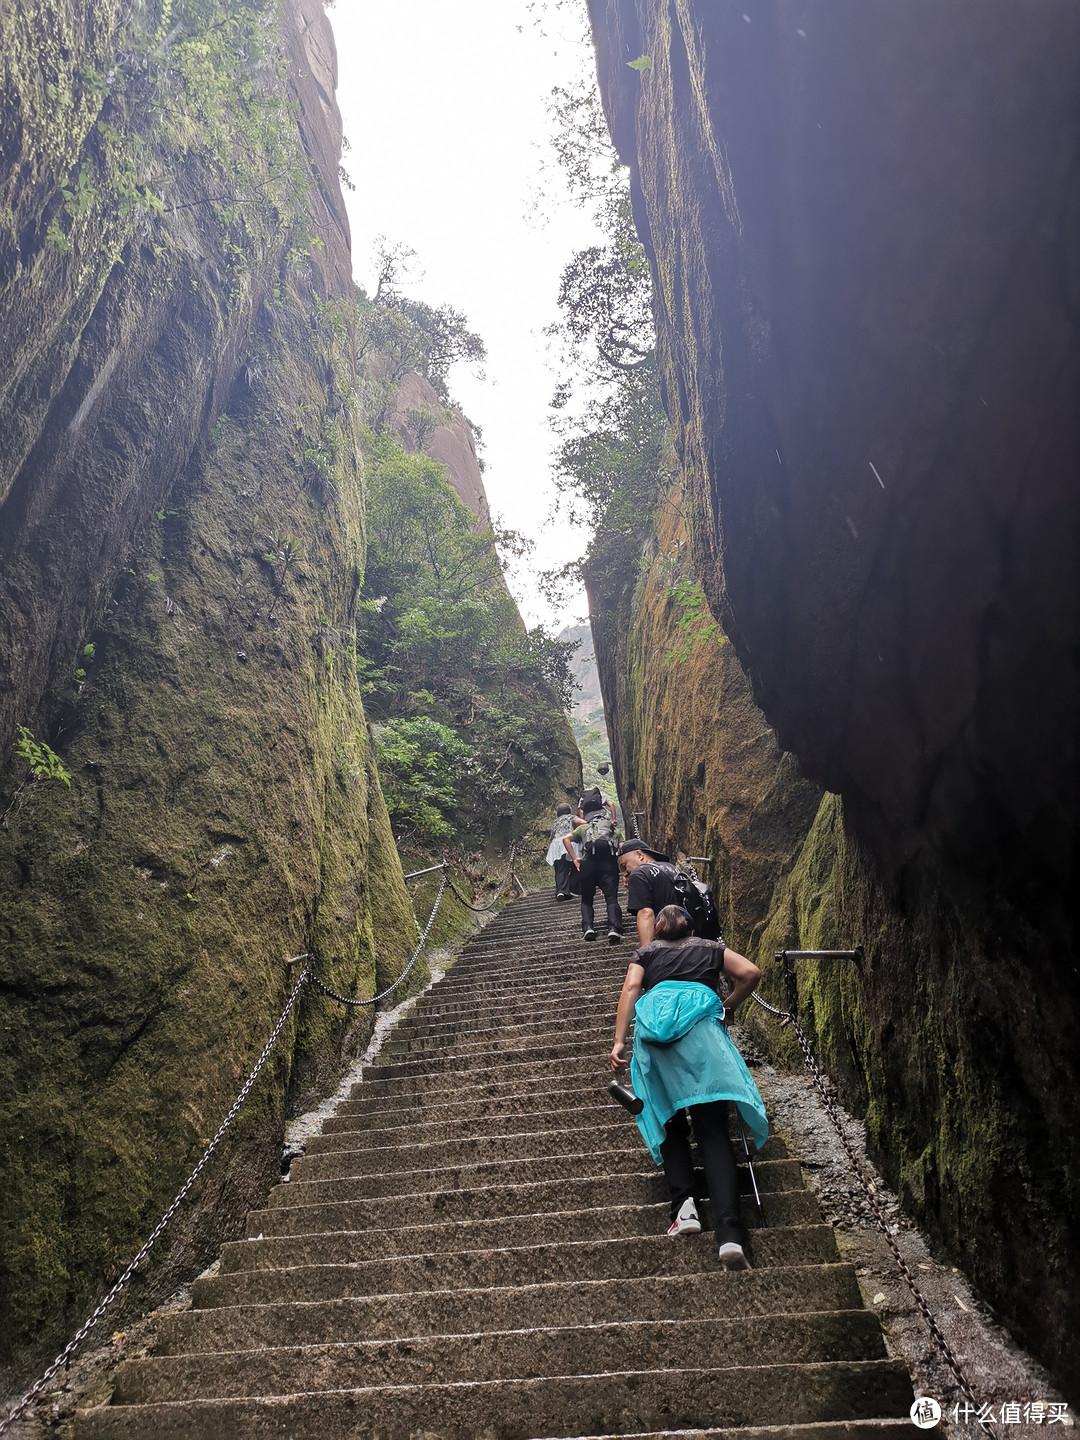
{"x": 483, "y": 909}
{"x": 943, "y": 1345}
{"x": 374, "y": 1000}
{"x": 64, "y": 1358}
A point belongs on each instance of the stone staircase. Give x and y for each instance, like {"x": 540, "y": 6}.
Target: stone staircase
{"x": 475, "y": 1247}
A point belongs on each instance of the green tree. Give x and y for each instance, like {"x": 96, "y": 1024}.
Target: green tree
{"x": 441, "y": 640}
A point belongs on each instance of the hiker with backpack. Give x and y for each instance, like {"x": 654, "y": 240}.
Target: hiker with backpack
{"x": 565, "y": 874}
{"x": 596, "y": 865}
{"x": 686, "y": 1064}
{"x": 652, "y": 882}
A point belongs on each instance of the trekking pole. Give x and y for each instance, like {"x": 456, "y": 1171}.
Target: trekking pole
{"x": 750, "y": 1167}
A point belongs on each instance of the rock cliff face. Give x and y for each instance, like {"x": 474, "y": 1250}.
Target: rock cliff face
{"x": 863, "y": 223}
{"x": 694, "y": 757}
{"x": 181, "y": 546}
{"x": 449, "y": 439}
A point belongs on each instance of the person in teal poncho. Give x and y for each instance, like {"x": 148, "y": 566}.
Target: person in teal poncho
{"x": 685, "y": 1061}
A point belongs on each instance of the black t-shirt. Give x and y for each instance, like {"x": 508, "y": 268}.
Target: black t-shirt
{"x": 651, "y": 887}
{"x": 690, "y": 959}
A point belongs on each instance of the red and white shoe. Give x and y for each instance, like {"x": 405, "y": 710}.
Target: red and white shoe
{"x": 687, "y": 1221}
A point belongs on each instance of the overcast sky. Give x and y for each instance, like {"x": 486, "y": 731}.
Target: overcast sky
{"x": 445, "y": 111}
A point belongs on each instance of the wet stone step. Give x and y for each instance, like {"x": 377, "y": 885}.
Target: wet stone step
{"x": 514, "y": 1100}
{"x": 604, "y": 1127}
{"x": 498, "y": 1038}
{"x": 487, "y": 1057}
{"x": 814, "y": 1430}
{"x": 492, "y": 1079}
{"x": 338, "y": 1128}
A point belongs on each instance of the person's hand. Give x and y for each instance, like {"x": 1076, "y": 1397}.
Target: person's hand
{"x": 577, "y": 863}
{"x": 617, "y": 1058}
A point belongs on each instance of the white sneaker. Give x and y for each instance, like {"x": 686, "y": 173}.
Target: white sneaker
{"x": 732, "y": 1257}
{"x": 686, "y": 1222}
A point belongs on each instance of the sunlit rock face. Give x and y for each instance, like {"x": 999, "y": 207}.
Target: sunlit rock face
{"x": 864, "y": 222}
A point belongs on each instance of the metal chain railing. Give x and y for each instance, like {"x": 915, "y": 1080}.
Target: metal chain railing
{"x": 374, "y": 1000}
{"x": 787, "y": 1017}
{"x": 64, "y": 1358}
{"x": 482, "y": 909}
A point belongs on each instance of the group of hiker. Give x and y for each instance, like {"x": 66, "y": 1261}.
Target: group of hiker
{"x": 685, "y": 1068}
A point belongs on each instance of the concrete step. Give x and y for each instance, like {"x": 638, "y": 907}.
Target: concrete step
{"x": 493, "y": 1079}
{"x": 588, "y": 1047}
{"x": 598, "y": 1114}
{"x": 590, "y": 1010}
{"x": 789, "y": 1207}
{"x": 603, "y": 1127}
{"x": 816, "y": 1430}
{"x": 515, "y": 1100}
{"x": 342, "y": 1182}
{"x": 475, "y": 1247}
{"x": 516, "y": 1409}
{"x": 508, "y": 994}
{"x": 520, "y": 1354}
{"x": 645, "y": 1224}
{"x": 471, "y": 1039}
{"x": 786, "y": 1290}
{"x": 515, "y": 1265}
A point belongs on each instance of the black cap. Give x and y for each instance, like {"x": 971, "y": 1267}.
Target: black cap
{"x": 628, "y": 846}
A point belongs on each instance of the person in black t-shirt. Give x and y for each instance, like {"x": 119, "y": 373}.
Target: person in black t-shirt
{"x": 690, "y": 959}
{"x": 676, "y": 955}
{"x": 650, "y": 884}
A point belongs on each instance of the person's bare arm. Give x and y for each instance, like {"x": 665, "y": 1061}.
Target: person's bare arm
{"x": 646, "y": 926}
{"x": 569, "y": 847}
{"x": 631, "y": 990}
{"x": 745, "y": 975}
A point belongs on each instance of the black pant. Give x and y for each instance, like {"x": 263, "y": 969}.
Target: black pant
{"x": 565, "y": 876}
{"x": 721, "y": 1175}
{"x": 600, "y": 872}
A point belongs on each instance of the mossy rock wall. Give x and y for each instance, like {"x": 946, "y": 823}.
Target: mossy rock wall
{"x": 947, "y": 1039}
{"x": 692, "y": 752}
{"x": 181, "y": 547}
{"x": 865, "y": 274}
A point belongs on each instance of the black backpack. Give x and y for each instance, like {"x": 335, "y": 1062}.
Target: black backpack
{"x": 590, "y": 801}
{"x": 697, "y": 900}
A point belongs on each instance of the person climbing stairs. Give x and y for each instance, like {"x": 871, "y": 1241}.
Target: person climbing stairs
{"x": 475, "y": 1246}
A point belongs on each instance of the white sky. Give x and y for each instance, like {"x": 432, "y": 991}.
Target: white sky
{"x": 444, "y": 107}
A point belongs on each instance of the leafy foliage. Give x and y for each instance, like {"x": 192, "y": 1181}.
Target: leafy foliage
{"x": 194, "y": 113}
{"x": 421, "y": 764}
{"x": 442, "y": 648}
{"x": 613, "y": 459}
{"x": 695, "y": 625}
{"x": 410, "y": 335}
{"x": 44, "y": 762}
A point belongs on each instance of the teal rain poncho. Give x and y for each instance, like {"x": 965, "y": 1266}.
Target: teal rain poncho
{"x": 683, "y": 1055}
